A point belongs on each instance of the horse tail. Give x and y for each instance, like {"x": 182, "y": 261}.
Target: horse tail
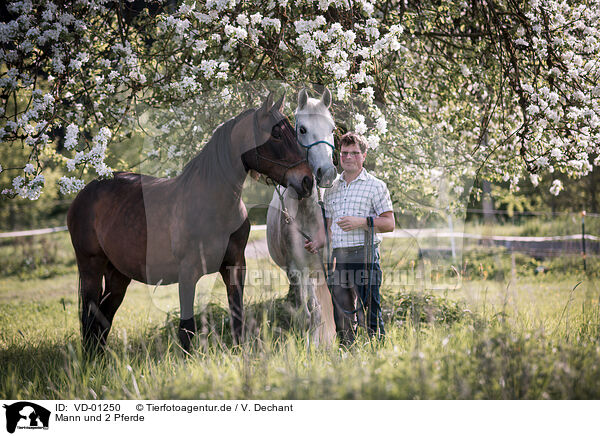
{"x": 80, "y": 301}
{"x": 327, "y": 328}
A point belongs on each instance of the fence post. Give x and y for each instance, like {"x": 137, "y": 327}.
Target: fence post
{"x": 583, "y": 240}
{"x": 452, "y": 243}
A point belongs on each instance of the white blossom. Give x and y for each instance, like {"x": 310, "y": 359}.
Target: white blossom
{"x": 556, "y": 187}
{"x": 373, "y": 141}
{"x": 360, "y": 127}
{"x": 68, "y": 185}
{"x": 381, "y": 125}
{"x": 71, "y": 136}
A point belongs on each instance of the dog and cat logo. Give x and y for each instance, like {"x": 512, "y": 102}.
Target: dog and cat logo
{"x": 26, "y": 415}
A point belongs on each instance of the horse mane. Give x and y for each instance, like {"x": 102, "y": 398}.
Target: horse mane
{"x": 222, "y": 130}
{"x": 126, "y": 175}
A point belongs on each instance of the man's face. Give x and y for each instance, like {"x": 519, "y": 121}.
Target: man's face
{"x": 352, "y": 158}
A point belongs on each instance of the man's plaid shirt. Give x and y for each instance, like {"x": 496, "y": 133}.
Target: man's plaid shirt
{"x": 364, "y": 196}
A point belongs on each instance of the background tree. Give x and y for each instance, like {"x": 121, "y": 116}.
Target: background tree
{"x": 445, "y": 92}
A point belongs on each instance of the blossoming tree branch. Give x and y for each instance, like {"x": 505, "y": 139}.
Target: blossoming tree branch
{"x": 441, "y": 89}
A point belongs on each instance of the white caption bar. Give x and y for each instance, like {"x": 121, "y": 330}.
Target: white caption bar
{"x": 166, "y": 417}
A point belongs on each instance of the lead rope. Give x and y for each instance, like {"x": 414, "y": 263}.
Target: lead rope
{"x": 328, "y": 254}
{"x": 370, "y": 260}
{"x": 287, "y": 217}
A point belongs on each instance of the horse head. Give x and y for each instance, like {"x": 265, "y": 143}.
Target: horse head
{"x": 314, "y": 129}
{"x": 278, "y": 154}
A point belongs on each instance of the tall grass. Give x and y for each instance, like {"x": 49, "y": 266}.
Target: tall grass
{"x": 490, "y": 345}
{"x": 521, "y": 336}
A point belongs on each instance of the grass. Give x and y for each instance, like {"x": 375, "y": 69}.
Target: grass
{"x": 42, "y": 256}
{"x": 494, "y": 336}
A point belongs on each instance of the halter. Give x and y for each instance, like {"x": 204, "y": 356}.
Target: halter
{"x": 277, "y": 120}
{"x": 309, "y": 146}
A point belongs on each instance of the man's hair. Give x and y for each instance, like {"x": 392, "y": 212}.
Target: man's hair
{"x": 352, "y": 138}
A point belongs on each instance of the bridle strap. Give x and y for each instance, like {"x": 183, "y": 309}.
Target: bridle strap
{"x": 257, "y": 155}
{"x": 309, "y": 146}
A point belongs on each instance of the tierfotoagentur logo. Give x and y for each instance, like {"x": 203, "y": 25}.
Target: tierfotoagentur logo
{"x": 26, "y": 415}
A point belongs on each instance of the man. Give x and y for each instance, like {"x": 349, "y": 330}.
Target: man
{"x": 355, "y": 196}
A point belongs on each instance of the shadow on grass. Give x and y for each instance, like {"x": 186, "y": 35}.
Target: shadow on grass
{"x": 28, "y": 369}
{"x": 277, "y": 318}
{"x": 272, "y": 318}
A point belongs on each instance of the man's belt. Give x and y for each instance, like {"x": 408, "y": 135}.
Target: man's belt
{"x": 350, "y": 250}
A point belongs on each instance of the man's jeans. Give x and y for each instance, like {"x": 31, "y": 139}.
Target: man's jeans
{"x": 352, "y": 277}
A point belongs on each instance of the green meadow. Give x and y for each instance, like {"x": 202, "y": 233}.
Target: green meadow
{"x": 488, "y": 328}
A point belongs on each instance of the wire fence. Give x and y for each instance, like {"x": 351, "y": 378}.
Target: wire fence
{"x": 492, "y": 245}
{"x": 537, "y": 233}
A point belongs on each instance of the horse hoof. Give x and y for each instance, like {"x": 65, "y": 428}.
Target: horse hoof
{"x": 92, "y": 341}
{"x": 92, "y": 347}
{"x": 187, "y": 331}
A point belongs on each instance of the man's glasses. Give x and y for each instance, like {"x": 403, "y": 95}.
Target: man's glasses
{"x": 350, "y": 153}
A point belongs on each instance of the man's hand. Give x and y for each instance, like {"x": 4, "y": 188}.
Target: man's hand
{"x": 348, "y": 223}
{"x": 382, "y": 223}
{"x": 312, "y": 247}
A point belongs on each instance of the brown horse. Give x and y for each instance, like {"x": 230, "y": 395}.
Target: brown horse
{"x": 162, "y": 231}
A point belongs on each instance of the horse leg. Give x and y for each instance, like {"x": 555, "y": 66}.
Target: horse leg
{"x": 314, "y": 308}
{"x": 188, "y": 276}
{"x": 298, "y": 296}
{"x": 305, "y": 295}
{"x": 115, "y": 285}
{"x": 91, "y": 269}
{"x": 294, "y": 296}
{"x": 233, "y": 272}
{"x": 233, "y": 277}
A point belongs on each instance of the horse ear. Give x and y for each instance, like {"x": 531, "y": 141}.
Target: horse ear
{"x": 279, "y": 104}
{"x": 267, "y": 103}
{"x": 326, "y": 97}
{"x": 302, "y": 98}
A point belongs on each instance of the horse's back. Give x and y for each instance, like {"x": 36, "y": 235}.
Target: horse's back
{"x": 106, "y": 214}
{"x": 84, "y": 207}
{"x": 81, "y": 218}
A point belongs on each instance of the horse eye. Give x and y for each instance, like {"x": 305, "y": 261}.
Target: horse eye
{"x": 302, "y": 130}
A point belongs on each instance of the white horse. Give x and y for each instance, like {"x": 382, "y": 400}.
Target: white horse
{"x": 290, "y": 219}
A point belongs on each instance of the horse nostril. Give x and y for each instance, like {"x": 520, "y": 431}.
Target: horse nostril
{"x": 307, "y": 183}
{"x": 319, "y": 174}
